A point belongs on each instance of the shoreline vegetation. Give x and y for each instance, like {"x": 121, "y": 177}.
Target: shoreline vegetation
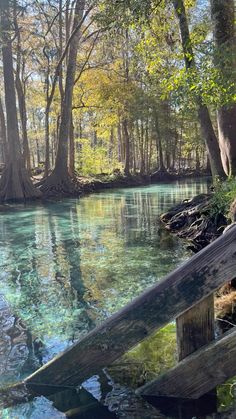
{"x": 119, "y": 180}
{"x": 104, "y": 181}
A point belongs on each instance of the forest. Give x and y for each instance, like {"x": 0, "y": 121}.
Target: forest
{"x": 115, "y": 88}
{"x": 119, "y": 304}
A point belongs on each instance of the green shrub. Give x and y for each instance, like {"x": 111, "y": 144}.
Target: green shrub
{"x": 225, "y": 193}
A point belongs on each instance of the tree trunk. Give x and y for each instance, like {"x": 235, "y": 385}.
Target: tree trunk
{"x": 142, "y": 160}
{"x": 127, "y": 147}
{"x": 15, "y": 183}
{"x": 210, "y": 141}
{"x": 21, "y": 94}
{"x": 203, "y": 113}
{"x": 160, "y": 159}
{"x": 23, "y": 118}
{"x": 60, "y": 78}
{"x": 37, "y": 151}
{"x": 60, "y": 180}
{"x": 47, "y": 127}
{"x": 3, "y": 133}
{"x": 223, "y": 17}
{"x": 72, "y": 149}
{"x": 111, "y": 145}
{"x": 120, "y": 144}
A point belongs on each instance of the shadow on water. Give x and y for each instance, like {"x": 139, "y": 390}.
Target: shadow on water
{"x": 66, "y": 266}
{"x": 185, "y": 408}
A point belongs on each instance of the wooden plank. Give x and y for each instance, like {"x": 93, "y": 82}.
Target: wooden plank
{"x": 160, "y": 304}
{"x": 195, "y": 328}
{"x": 199, "y": 373}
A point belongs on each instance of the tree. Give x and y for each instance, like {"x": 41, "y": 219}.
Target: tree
{"x": 60, "y": 179}
{"x": 3, "y": 132}
{"x": 203, "y": 113}
{"x": 223, "y": 16}
{"x": 20, "y": 82}
{"x": 15, "y": 183}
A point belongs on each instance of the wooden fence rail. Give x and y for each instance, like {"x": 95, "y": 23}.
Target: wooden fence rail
{"x": 188, "y": 285}
{"x": 199, "y": 373}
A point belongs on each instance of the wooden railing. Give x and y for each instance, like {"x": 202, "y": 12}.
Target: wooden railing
{"x": 192, "y": 284}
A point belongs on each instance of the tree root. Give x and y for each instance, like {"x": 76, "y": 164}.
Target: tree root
{"x": 192, "y": 220}
{"x": 16, "y": 185}
{"x": 57, "y": 185}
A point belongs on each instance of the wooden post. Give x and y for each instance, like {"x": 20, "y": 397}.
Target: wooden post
{"x": 195, "y": 327}
{"x": 199, "y": 373}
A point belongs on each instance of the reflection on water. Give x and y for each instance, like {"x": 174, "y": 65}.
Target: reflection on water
{"x": 66, "y": 266}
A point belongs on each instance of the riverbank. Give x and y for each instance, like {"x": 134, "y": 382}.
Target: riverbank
{"x": 119, "y": 180}
{"x": 197, "y": 222}
{"x": 110, "y": 181}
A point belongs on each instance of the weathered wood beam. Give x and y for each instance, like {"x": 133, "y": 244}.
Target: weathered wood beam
{"x": 199, "y": 373}
{"x": 195, "y": 328}
{"x": 160, "y": 304}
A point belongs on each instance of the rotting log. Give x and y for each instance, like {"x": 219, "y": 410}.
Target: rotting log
{"x": 183, "y": 288}
{"x": 199, "y": 373}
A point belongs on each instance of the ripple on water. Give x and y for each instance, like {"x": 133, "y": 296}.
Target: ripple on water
{"x": 68, "y": 265}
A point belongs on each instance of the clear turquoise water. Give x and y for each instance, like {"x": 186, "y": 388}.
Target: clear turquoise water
{"x": 66, "y": 266}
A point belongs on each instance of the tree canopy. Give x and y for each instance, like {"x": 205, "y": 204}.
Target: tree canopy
{"x": 100, "y": 87}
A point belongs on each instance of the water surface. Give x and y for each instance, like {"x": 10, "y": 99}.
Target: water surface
{"x": 66, "y": 266}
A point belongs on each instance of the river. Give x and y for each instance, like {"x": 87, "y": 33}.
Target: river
{"x": 68, "y": 265}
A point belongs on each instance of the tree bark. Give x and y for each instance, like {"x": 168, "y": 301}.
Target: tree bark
{"x": 15, "y": 183}
{"x": 127, "y": 146}
{"x": 160, "y": 159}
{"x": 23, "y": 118}
{"x": 120, "y": 143}
{"x": 3, "y": 133}
{"x": 60, "y": 78}
{"x": 141, "y": 146}
{"x": 72, "y": 149}
{"x": 203, "y": 112}
{"x": 223, "y": 17}
{"x": 21, "y": 95}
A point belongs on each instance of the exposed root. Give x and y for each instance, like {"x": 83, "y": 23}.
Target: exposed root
{"x": 57, "y": 185}
{"x": 192, "y": 221}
